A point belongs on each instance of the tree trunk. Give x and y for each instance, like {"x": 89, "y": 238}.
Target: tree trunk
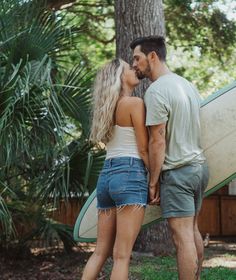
{"x": 135, "y": 18}
{"x": 156, "y": 239}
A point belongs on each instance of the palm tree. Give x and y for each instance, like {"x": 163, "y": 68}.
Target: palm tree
{"x": 41, "y": 161}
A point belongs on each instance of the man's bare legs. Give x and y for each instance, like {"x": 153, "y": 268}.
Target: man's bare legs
{"x": 105, "y": 242}
{"x": 199, "y": 246}
{"x": 129, "y": 221}
{"x": 187, "y": 253}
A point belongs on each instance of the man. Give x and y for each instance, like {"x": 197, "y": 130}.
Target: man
{"x": 178, "y": 170}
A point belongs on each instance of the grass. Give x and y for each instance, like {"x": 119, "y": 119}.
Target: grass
{"x": 164, "y": 268}
{"x": 218, "y": 273}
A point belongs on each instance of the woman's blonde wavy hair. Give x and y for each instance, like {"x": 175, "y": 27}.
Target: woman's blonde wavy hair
{"x": 107, "y": 88}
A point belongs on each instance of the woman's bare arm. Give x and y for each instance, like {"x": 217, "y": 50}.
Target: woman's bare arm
{"x": 138, "y": 115}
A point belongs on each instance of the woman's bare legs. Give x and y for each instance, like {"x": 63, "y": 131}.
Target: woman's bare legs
{"x": 105, "y": 241}
{"x": 128, "y": 223}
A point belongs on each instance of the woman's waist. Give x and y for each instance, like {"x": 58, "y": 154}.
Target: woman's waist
{"x": 122, "y": 152}
{"x": 123, "y": 163}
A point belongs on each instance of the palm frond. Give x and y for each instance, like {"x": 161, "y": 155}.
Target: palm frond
{"x": 39, "y": 163}
{"x": 75, "y": 96}
{"x": 5, "y": 215}
{"x": 28, "y": 31}
{"x": 51, "y": 232}
{"x": 90, "y": 162}
{"x": 30, "y": 109}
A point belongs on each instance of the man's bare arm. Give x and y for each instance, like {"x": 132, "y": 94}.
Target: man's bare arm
{"x": 157, "y": 147}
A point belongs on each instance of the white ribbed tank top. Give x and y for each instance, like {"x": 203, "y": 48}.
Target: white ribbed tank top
{"x": 123, "y": 143}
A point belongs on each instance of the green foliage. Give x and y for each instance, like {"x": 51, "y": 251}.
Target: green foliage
{"x": 91, "y": 161}
{"x": 199, "y": 23}
{"x": 201, "y": 42}
{"x": 74, "y": 93}
{"x": 96, "y": 43}
{"x": 201, "y": 39}
{"x": 40, "y": 99}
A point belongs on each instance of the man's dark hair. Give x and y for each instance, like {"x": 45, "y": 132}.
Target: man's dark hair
{"x": 150, "y": 44}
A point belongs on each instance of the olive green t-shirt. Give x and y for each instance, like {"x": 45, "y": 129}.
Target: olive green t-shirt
{"x": 173, "y": 100}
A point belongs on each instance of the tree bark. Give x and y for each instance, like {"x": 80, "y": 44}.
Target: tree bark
{"x": 156, "y": 239}
{"x": 135, "y": 18}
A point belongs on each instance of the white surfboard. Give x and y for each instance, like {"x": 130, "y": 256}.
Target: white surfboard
{"x": 218, "y": 121}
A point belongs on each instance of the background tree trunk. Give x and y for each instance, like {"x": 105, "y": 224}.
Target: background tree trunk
{"x": 156, "y": 239}
{"x": 135, "y": 18}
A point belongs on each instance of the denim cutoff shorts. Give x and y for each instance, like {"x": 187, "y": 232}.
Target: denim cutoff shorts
{"x": 122, "y": 181}
{"x": 182, "y": 190}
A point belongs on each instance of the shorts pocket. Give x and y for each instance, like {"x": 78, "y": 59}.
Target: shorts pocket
{"x": 101, "y": 183}
{"x": 205, "y": 177}
{"x": 164, "y": 177}
{"x": 138, "y": 175}
{"x": 118, "y": 182}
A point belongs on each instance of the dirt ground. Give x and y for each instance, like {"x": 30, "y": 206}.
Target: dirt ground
{"x": 221, "y": 253}
{"x": 55, "y": 264}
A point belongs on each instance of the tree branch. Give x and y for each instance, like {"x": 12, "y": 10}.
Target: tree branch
{"x": 89, "y": 5}
{"x": 92, "y": 16}
{"x": 57, "y": 4}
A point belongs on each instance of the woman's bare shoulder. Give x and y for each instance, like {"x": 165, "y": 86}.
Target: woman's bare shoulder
{"x": 129, "y": 109}
{"x": 133, "y": 100}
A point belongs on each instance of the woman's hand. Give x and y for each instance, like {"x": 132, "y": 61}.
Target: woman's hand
{"x": 154, "y": 194}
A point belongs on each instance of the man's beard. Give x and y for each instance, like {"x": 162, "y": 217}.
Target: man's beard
{"x": 140, "y": 75}
{"x": 145, "y": 73}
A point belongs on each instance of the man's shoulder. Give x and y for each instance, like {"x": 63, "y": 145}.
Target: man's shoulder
{"x": 162, "y": 87}
{"x": 165, "y": 82}
{"x": 154, "y": 87}
{"x": 170, "y": 82}
{"x": 151, "y": 90}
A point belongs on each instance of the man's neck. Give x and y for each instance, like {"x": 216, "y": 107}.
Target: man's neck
{"x": 159, "y": 71}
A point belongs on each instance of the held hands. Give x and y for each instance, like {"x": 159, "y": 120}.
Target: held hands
{"x": 154, "y": 194}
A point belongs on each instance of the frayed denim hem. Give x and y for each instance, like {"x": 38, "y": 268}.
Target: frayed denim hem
{"x": 119, "y": 208}
{"x": 137, "y": 206}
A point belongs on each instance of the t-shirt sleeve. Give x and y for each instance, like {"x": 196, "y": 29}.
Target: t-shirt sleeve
{"x": 157, "y": 111}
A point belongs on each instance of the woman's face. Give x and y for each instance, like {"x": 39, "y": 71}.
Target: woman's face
{"x": 129, "y": 76}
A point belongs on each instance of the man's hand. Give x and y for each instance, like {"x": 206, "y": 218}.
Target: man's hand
{"x": 154, "y": 194}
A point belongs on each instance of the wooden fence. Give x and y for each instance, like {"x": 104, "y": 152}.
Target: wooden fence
{"x": 218, "y": 214}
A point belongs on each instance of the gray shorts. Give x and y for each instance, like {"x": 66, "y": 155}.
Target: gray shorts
{"x": 182, "y": 190}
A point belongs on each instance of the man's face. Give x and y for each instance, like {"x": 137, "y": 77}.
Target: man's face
{"x": 141, "y": 64}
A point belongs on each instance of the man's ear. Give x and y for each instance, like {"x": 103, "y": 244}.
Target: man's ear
{"x": 153, "y": 55}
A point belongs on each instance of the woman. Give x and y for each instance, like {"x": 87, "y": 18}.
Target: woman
{"x": 119, "y": 122}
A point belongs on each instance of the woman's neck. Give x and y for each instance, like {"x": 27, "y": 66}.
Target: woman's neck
{"x": 126, "y": 91}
